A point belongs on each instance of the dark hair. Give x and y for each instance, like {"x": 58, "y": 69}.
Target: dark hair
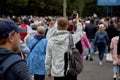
{"x": 34, "y": 27}
{"x": 107, "y": 18}
{"x": 92, "y": 20}
{"x": 111, "y": 22}
{"x": 26, "y": 21}
{"x": 118, "y": 29}
{"x": 70, "y": 27}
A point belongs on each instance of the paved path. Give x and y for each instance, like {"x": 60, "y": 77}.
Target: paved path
{"x": 93, "y": 71}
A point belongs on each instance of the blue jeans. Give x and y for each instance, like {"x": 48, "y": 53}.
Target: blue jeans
{"x": 101, "y": 48}
{"x": 116, "y": 69}
{"x": 91, "y": 51}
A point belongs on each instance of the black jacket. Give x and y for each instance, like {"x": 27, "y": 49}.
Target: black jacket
{"x": 18, "y": 71}
{"x": 90, "y": 30}
{"x": 112, "y": 32}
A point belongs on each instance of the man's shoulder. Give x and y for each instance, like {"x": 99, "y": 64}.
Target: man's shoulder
{"x": 8, "y": 63}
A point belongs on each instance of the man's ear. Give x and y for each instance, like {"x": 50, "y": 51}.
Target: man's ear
{"x": 10, "y": 38}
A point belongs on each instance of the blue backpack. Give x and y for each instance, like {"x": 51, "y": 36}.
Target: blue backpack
{"x": 7, "y": 63}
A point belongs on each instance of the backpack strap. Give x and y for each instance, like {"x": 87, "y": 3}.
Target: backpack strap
{"x": 71, "y": 43}
{"x": 8, "y": 62}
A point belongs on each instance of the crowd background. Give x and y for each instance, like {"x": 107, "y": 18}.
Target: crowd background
{"x": 107, "y": 24}
{"x": 43, "y": 13}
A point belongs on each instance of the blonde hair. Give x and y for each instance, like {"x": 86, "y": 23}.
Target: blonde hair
{"x": 101, "y": 28}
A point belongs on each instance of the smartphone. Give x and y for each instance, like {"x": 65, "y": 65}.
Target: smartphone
{"x": 74, "y": 14}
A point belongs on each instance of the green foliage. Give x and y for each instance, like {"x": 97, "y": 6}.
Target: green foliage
{"x": 52, "y": 7}
{"x": 93, "y": 8}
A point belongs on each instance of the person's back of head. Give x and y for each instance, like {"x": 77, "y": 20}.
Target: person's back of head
{"x": 101, "y": 28}
{"x": 34, "y": 27}
{"x": 92, "y": 20}
{"x": 70, "y": 27}
{"x": 111, "y": 22}
{"x": 26, "y": 20}
{"x": 62, "y": 23}
{"x": 41, "y": 30}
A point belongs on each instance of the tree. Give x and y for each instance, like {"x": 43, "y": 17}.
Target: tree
{"x": 53, "y": 7}
{"x": 12, "y": 7}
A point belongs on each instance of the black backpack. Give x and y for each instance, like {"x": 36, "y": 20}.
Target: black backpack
{"x": 73, "y": 61}
{"x": 79, "y": 46}
{"x": 7, "y": 63}
{"x": 118, "y": 46}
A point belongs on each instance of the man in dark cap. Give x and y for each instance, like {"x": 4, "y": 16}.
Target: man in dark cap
{"x": 12, "y": 67}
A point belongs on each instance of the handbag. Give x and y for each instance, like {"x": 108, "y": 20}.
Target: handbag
{"x": 109, "y": 57}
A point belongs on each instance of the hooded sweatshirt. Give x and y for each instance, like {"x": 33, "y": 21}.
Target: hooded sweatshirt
{"x": 57, "y": 46}
{"x": 113, "y": 46}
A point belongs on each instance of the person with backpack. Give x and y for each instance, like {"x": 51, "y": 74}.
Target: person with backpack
{"x": 12, "y": 66}
{"x": 56, "y": 48}
{"x": 101, "y": 41}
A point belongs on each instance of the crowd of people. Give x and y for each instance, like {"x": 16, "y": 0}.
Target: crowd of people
{"x": 42, "y": 41}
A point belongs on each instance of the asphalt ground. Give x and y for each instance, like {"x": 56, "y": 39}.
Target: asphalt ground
{"x": 93, "y": 71}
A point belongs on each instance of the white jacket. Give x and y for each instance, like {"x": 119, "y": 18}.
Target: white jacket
{"x": 57, "y": 45}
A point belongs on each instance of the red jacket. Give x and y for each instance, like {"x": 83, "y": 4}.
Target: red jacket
{"x": 22, "y": 35}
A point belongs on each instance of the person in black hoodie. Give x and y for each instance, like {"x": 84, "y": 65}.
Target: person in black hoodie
{"x": 9, "y": 46}
{"x": 111, "y": 31}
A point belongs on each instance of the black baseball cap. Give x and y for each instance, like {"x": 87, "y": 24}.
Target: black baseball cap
{"x": 7, "y": 26}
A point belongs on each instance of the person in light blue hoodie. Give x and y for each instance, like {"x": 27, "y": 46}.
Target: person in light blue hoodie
{"x": 36, "y": 57}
